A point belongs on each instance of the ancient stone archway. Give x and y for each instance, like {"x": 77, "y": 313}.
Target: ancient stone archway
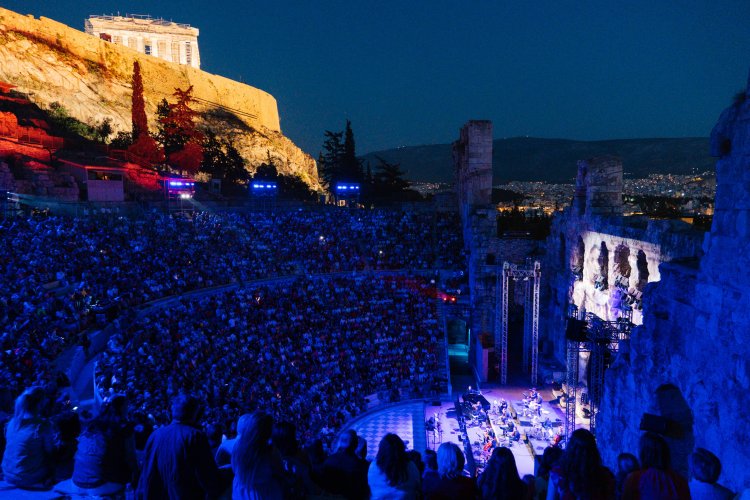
{"x": 603, "y": 263}
{"x": 642, "y": 265}
{"x": 671, "y": 405}
{"x": 578, "y": 257}
{"x": 622, "y": 267}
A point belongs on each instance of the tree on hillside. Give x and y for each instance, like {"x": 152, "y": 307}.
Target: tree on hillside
{"x": 331, "y": 158}
{"x": 104, "y": 130}
{"x": 351, "y": 167}
{"x": 222, "y": 160}
{"x": 389, "y": 178}
{"x": 181, "y": 138}
{"x": 289, "y": 186}
{"x": 138, "y": 106}
{"x": 144, "y": 149}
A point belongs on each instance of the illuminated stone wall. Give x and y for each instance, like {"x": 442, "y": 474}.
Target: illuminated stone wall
{"x": 690, "y": 361}
{"x": 173, "y": 42}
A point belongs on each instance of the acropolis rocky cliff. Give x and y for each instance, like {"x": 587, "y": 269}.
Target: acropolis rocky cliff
{"x": 91, "y": 78}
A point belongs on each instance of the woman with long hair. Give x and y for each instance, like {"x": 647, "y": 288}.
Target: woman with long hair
{"x": 105, "y": 458}
{"x": 256, "y": 473}
{"x": 500, "y": 478}
{"x": 392, "y": 474}
{"x": 28, "y": 461}
{"x": 450, "y": 481}
{"x": 655, "y": 480}
{"x": 580, "y": 473}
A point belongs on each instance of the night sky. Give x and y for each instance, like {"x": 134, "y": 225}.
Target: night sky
{"x": 412, "y": 72}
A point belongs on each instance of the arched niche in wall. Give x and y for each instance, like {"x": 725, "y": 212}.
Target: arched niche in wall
{"x": 671, "y": 405}
{"x": 642, "y": 265}
{"x": 578, "y": 258}
{"x": 603, "y": 263}
{"x": 622, "y": 267}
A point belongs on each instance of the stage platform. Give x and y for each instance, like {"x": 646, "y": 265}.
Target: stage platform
{"x": 408, "y": 421}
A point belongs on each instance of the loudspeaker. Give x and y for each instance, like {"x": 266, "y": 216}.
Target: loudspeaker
{"x": 655, "y": 423}
{"x": 575, "y": 330}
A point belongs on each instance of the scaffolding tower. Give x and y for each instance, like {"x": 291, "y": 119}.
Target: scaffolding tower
{"x": 600, "y": 338}
{"x": 531, "y": 275}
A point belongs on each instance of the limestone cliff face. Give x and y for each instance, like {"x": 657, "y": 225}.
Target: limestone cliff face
{"x": 91, "y": 78}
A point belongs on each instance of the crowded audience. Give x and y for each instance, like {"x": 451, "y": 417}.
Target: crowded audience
{"x": 242, "y": 393}
{"x": 64, "y": 275}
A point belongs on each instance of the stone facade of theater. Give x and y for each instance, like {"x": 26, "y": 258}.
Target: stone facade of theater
{"x": 690, "y": 360}
{"x": 173, "y": 42}
{"x": 472, "y": 158}
{"x": 600, "y": 261}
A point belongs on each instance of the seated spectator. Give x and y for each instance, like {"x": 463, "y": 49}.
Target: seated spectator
{"x": 530, "y": 481}
{"x": 580, "y": 473}
{"x": 626, "y": 463}
{"x": 361, "y": 451}
{"x": 705, "y": 469}
{"x": 105, "y": 459}
{"x": 224, "y": 452}
{"x": 344, "y": 473}
{"x": 28, "y": 461}
{"x": 655, "y": 480}
{"x": 257, "y": 470}
{"x": 500, "y": 478}
{"x": 392, "y": 475}
{"x": 548, "y": 460}
{"x": 178, "y": 462}
{"x": 297, "y": 474}
{"x": 431, "y": 466}
{"x": 451, "y": 483}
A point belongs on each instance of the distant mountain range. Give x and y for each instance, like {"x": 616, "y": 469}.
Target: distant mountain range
{"x": 554, "y": 160}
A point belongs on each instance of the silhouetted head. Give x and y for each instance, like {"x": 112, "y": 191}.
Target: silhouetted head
{"x": 500, "y": 478}
{"x": 284, "y": 438}
{"x": 582, "y": 463}
{"x": 31, "y": 402}
{"x": 186, "y": 409}
{"x": 253, "y": 447}
{"x": 392, "y": 459}
{"x": 347, "y": 441}
{"x": 450, "y": 460}
{"x": 653, "y": 451}
{"x": 243, "y": 422}
{"x": 626, "y": 463}
{"x": 550, "y": 457}
{"x": 705, "y": 466}
{"x": 430, "y": 460}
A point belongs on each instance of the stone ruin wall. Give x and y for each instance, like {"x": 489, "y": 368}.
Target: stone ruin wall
{"x": 472, "y": 158}
{"x": 599, "y": 260}
{"x": 690, "y": 361}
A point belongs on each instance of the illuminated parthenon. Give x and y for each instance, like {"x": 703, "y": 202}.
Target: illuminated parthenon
{"x": 173, "y": 42}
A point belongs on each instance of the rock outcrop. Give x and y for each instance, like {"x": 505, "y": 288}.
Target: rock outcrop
{"x": 91, "y": 78}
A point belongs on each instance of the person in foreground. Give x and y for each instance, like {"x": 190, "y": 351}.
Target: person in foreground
{"x": 451, "y": 483}
{"x": 580, "y": 473}
{"x": 655, "y": 480}
{"x": 501, "y": 479}
{"x": 258, "y": 473}
{"x": 392, "y": 474}
{"x": 30, "y": 447}
{"x": 179, "y": 463}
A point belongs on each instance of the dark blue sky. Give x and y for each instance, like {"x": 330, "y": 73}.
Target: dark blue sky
{"x": 412, "y": 72}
